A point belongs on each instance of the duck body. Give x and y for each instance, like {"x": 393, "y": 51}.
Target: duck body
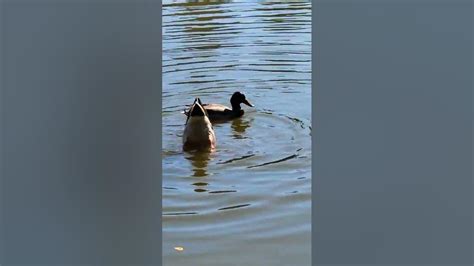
{"x": 220, "y": 113}
{"x": 198, "y": 132}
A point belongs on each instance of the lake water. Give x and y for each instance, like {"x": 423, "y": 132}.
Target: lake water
{"x": 249, "y": 202}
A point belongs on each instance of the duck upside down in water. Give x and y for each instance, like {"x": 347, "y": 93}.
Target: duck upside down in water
{"x": 198, "y": 132}
{"x": 219, "y": 112}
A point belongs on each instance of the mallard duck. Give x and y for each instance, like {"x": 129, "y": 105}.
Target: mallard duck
{"x": 198, "y": 132}
{"x": 219, "y": 112}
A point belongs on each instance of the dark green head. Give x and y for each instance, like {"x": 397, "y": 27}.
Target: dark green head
{"x": 238, "y": 98}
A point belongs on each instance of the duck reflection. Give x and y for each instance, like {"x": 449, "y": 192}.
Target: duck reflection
{"x": 239, "y": 126}
{"x": 199, "y": 161}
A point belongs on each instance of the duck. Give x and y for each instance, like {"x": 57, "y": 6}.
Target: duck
{"x": 198, "y": 131}
{"x": 218, "y": 112}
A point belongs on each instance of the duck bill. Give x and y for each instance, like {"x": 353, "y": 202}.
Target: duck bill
{"x": 247, "y": 103}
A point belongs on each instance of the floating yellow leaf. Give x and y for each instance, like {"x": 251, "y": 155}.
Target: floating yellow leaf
{"x": 179, "y": 248}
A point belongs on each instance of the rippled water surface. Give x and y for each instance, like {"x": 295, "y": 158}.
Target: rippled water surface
{"x": 249, "y": 202}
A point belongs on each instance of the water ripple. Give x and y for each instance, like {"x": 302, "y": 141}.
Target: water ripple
{"x": 274, "y": 162}
{"x": 222, "y": 191}
{"x": 234, "y": 207}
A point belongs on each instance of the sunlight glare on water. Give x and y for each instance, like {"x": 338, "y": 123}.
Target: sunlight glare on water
{"x": 249, "y": 202}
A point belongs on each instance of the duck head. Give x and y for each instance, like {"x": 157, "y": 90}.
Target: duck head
{"x": 238, "y": 98}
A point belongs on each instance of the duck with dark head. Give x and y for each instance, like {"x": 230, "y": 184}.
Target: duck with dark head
{"x": 220, "y": 113}
{"x": 198, "y": 132}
